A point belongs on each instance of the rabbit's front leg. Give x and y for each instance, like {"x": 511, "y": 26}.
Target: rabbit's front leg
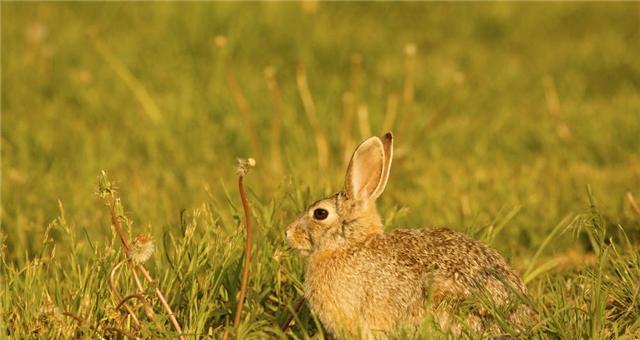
{"x": 365, "y": 330}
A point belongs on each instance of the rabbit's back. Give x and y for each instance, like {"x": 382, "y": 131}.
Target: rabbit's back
{"x": 453, "y": 267}
{"x": 388, "y": 279}
{"x": 441, "y": 253}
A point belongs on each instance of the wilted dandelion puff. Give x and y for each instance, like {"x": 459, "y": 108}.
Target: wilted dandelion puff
{"x": 244, "y": 165}
{"x": 142, "y": 248}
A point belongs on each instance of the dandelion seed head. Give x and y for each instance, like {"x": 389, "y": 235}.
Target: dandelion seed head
{"x": 142, "y": 248}
{"x": 244, "y": 165}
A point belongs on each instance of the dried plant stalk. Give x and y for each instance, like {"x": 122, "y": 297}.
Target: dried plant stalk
{"x": 410, "y": 52}
{"x": 276, "y": 103}
{"x": 348, "y": 103}
{"x": 553, "y": 108}
{"x": 356, "y": 75}
{"x": 391, "y": 113}
{"x": 363, "y": 122}
{"x": 139, "y": 91}
{"x": 245, "y": 111}
{"x": 121, "y": 332}
{"x": 247, "y": 251}
{"x": 633, "y": 202}
{"x": 297, "y": 307}
{"x": 243, "y": 169}
{"x": 163, "y": 300}
{"x": 129, "y": 297}
{"x": 310, "y": 110}
{"x": 75, "y": 317}
{"x": 114, "y": 290}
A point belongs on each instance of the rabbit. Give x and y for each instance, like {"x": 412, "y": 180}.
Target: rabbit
{"x": 362, "y": 282}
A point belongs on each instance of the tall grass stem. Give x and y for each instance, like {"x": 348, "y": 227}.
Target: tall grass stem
{"x": 310, "y": 110}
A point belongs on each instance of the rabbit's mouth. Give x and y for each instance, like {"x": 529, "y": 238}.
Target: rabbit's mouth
{"x": 302, "y": 251}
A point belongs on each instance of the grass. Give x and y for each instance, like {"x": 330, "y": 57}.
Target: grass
{"x": 504, "y": 115}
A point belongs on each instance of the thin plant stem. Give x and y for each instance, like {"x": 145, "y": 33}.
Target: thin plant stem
{"x": 633, "y": 202}
{"x": 125, "y": 244}
{"x": 553, "y": 108}
{"x": 276, "y": 128}
{"x": 139, "y": 91}
{"x": 247, "y": 252}
{"x": 286, "y": 323}
{"x": 348, "y": 103}
{"x": 310, "y": 110}
{"x": 392, "y": 111}
{"x": 163, "y": 301}
{"x": 127, "y": 298}
{"x": 114, "y": 290}
{"x": 121, "y": 332}
{"x": 245, "y": 111}
{"x": 409, "y": 87}
{"x": 243, "y": 169}
{"x": 363, "y": 121}
{"x": 73, "y": 316}
{"x": 356, "y": 75}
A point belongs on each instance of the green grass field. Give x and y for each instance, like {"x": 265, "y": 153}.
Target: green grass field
{"x": 518, "y": 124}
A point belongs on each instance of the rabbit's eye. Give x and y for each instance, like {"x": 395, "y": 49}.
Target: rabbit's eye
{"x": 320, "y": 214}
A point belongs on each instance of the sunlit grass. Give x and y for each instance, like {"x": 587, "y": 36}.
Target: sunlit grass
{"x": 503, "y": 114}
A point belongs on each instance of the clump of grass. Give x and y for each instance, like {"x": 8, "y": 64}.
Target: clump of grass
{"x": 137, "y": 253}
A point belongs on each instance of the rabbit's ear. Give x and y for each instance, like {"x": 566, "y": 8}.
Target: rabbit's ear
{"x": 369, "y": 168}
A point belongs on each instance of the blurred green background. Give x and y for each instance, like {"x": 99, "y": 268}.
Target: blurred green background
{"x": 516, "y": 108}
{"x": 480, "y": 72}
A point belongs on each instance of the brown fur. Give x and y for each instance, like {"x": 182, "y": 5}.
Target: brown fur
{"x": 361, "y": 281}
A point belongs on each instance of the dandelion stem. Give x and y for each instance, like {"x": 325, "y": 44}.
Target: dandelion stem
{"x": 125, "y": 244}
{"x": 242, "y": 171}
{"x": 247, "y": 253}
